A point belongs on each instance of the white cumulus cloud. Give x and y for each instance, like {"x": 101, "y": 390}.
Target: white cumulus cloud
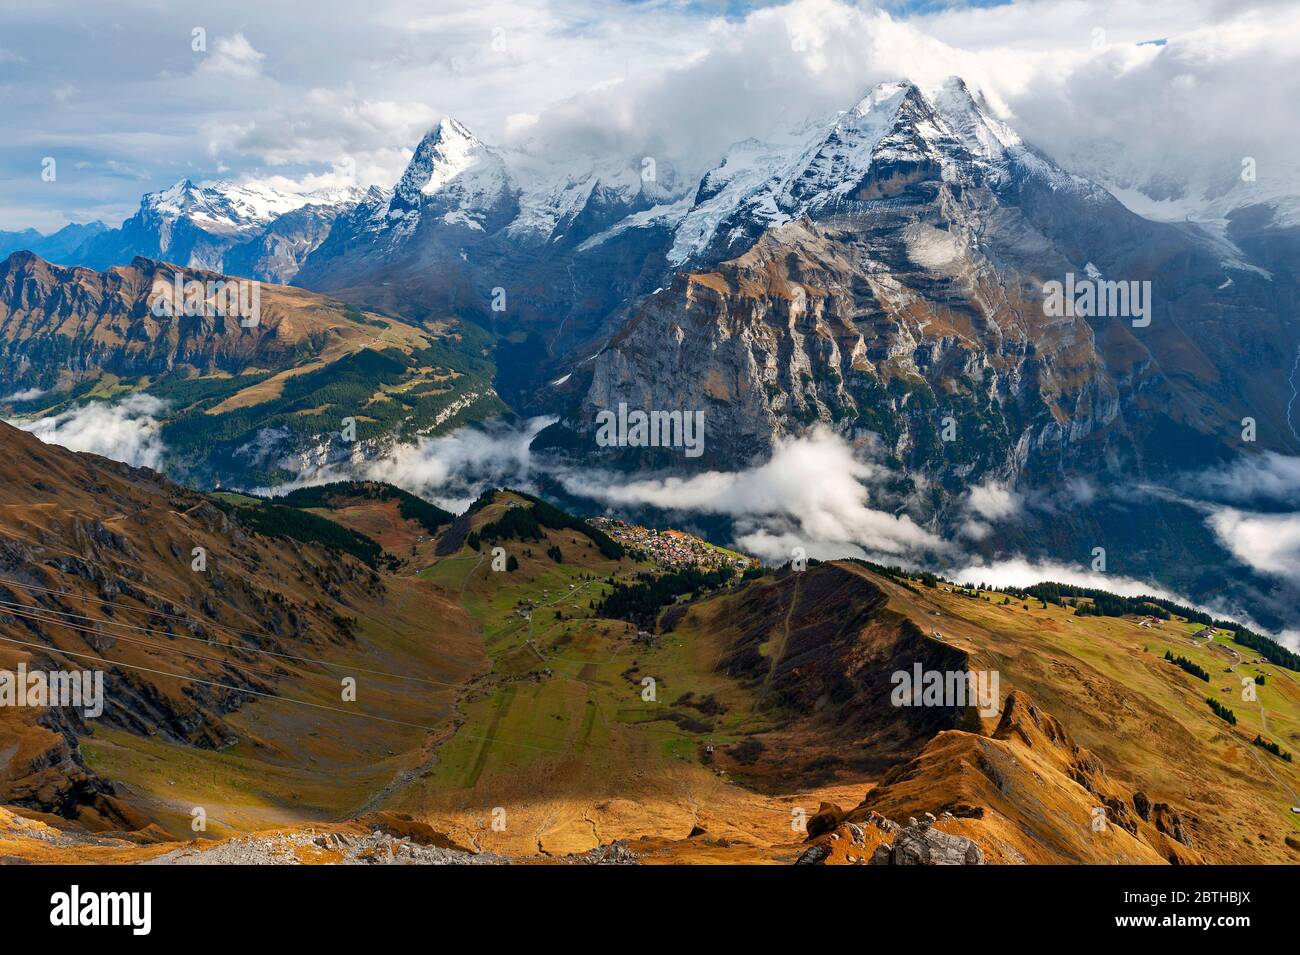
{"x": 233, "y": 57}
{"x": 812, "y": 493}
{"x": 1261, "y": 477}
{"x": 450, "y": 470}
{"x": 1270, "y": 543}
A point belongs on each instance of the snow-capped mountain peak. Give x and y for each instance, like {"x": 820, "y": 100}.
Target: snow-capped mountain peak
{"x": 760, "y": 184}
{"x": 336, "y": 195}
{"x": 575, "y": 200}
{"x": 861, "y": 155}
{"x": 986, "y": 137}
{"x": 228, "y": 208}
{"x": 893, "y": 121}
{"x": 457, "y": 151}
{"x": 882, "y": 96}
{"x": 197, "y": 224}
{"x": 447, "y": 152}
{"x": 454, "y": 173}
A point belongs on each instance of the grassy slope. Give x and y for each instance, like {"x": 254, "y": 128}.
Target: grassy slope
{"x": 290, "y": 761}
{"x": 1106, "y": 679}
{"x": 321, "y": 362}
{"x": 567, "y": 753}
{"x": 294, "y": 763}
{"x": 577, "y": 757}
{"x": 403, "y": 380}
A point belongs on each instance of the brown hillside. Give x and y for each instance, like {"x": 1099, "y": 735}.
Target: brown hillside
{"x": 96, "y": 573}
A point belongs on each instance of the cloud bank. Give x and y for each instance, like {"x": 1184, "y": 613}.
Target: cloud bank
{"x": 452, "y": 470}
{"x": 812, "y": 493}
{"x": 449, "y": 470}
{"x": 126, "y": 431}
{"x": 1267, "y": 477}
{"x": 815, "y": 495}
{"x": 1269, "y": 543}
{"x": 1020, "y": 572}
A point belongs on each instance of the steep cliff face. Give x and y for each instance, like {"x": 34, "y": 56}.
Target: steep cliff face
{"x": 797, "y": 332}
{"x": 276, "y": 255}
{"x": 889, "y": 281}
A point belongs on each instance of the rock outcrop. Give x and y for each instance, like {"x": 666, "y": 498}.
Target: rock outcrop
{"x": 923, "y": 844}
{"x": 876, "y": 840}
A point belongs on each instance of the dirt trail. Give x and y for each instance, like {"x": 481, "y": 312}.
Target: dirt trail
{"x": 406, "y": 776}
{"x": 777, "y": 651}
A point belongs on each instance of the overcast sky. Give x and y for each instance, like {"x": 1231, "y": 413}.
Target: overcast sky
{"x": 314, "y": 93}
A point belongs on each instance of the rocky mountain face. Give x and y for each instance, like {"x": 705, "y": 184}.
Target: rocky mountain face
{"x": 878, "y": 271}
{"x": 58, "y": 322}
{"x": 890, "y": 275}
{"x": 507, "y": 238}
{"x": 886, "y": 275}
{"x": 276, "y": 254}
{"x": 894, "y": 255}
{"x": 267, "y": 233}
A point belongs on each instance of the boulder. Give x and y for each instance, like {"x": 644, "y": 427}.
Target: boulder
{"x": 828, "y": 817}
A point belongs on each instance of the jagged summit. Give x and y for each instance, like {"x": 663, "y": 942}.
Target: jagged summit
{"x": 454, "y": 175}
{"x": 240, "y": 204}
{"x": 266, "y": 231}
{"x": 850, "y": 157}
{"x": 222, "y": 205}
{"x": 447, "y": 151}
{"x": 455, "y": 184}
